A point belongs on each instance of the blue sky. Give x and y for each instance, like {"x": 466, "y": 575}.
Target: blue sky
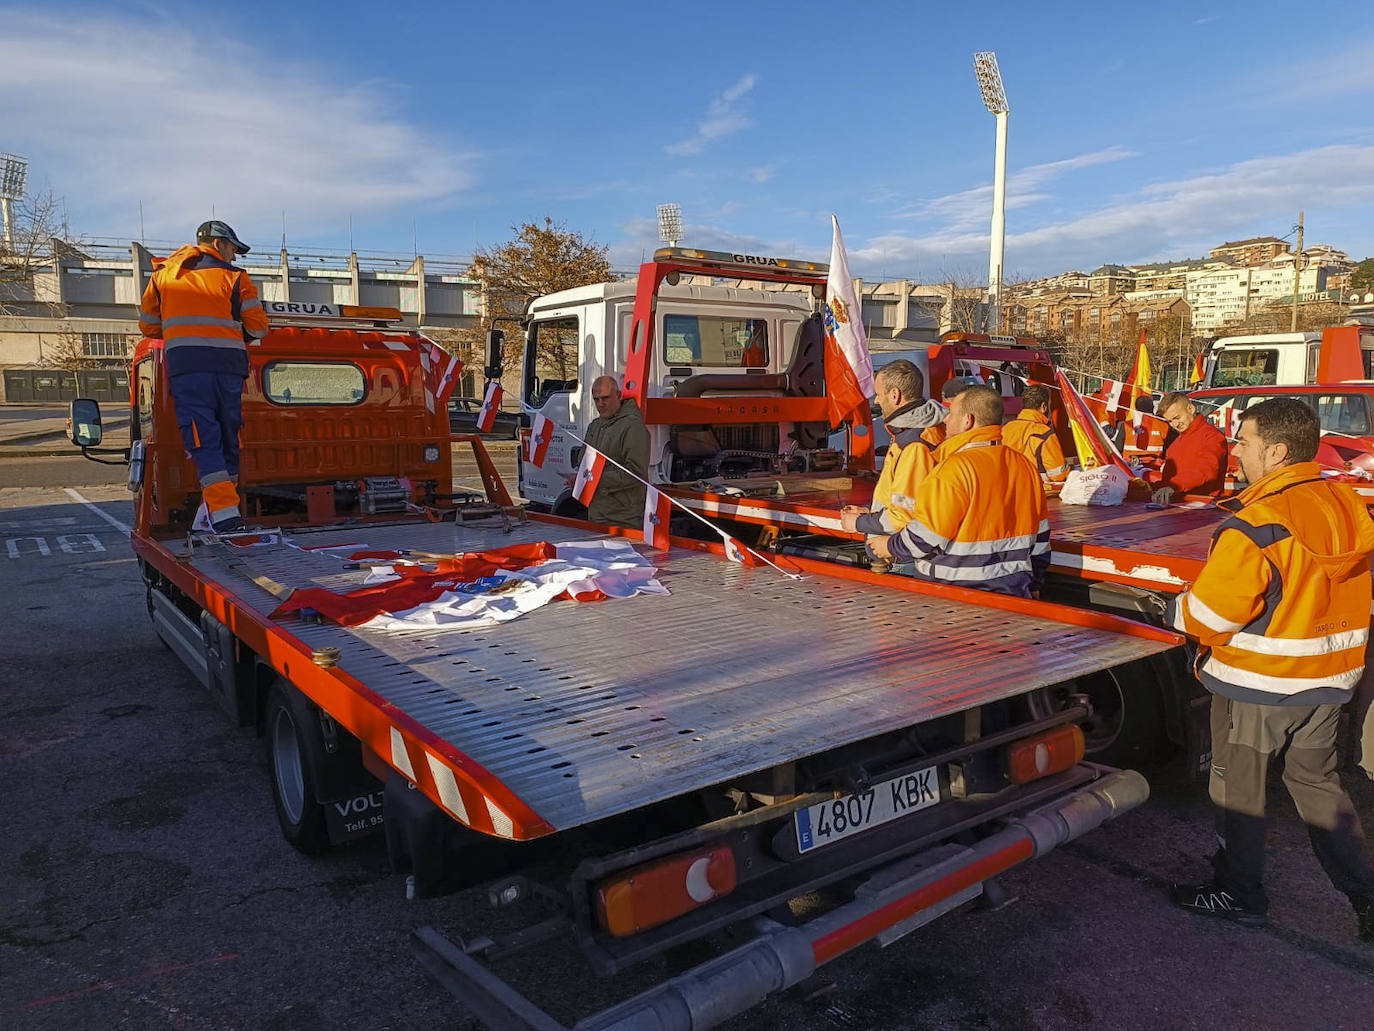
{"x": 1137, "y": 132}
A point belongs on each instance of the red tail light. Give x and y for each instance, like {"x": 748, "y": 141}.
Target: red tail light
{"x": 1051, "y": 752}
{"x": 657, "y": 892}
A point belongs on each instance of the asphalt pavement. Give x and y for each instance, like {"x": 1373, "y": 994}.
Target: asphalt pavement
{"x": 144, "y": 883}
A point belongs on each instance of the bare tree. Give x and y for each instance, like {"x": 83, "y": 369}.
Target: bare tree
{"x": 38, "y": 230}
{"x": 959, "y": 305}
{"x": 540, "y": 259}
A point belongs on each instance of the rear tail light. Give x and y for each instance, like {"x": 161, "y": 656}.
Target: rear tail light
{"x": 1051, "y": 752}
{"x": 655, "y": 893}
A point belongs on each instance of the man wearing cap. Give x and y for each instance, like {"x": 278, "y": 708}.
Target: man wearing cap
{"x": 205, "y": 309}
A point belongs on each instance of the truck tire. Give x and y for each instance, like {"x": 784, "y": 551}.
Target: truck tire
{"x": 1127, "y": 724}
{"x": 286, "y": 721}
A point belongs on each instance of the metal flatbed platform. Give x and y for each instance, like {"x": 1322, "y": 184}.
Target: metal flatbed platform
{"x": 584, "y": 711}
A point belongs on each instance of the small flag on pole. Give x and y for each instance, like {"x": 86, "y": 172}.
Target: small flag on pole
{"x": 537, "y": 444}
{"x": 658, "y": 510}
{"x": 486, "y": 416}
{"x": 736, "y": 551}
{"x": 588, "y": 475}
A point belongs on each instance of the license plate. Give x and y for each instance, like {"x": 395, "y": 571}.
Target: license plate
{"x": 829, "y": 822}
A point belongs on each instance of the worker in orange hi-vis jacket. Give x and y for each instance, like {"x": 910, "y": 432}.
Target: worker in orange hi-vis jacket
{"x": 909, "y": 460}
{"x": 205, "y": 309}
{"x": 1032, "y": 433}
{"x": 980, "y": 518}
{"x": 1280, "y": 613}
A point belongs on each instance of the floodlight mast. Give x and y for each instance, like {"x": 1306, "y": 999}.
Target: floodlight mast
{"x": 670, "y": 224}
{"x": 995, "y": 99}
{"x": 14, "y": 172}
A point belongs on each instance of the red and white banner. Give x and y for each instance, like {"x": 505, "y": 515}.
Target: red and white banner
{"x": 735, "y": 551}
{"x": 588, "y": 475}
{"x": 848, "y": 367}
{"x": 486, "y": 415}
{"x": 537, "y": 443}
{"x": 1113, "y": 389}
{"x": 658, "y": 510}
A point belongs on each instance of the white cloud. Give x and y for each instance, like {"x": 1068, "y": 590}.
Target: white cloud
{"x": 1165, "y": 219}
{"x": 722, "y": 119}
{"x": 761, "y": 174}
{"x": 119, "y": 109}
{"x": 1025, "y": 187}
{"x": 1346, "y": 76}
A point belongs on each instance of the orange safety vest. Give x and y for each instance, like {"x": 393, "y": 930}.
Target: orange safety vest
{"x": 904, "y": 469}
{"x": 980, "y": 520}
{"x": 1282, "y": 607}
{"x": 202, "y": 307}
{"x": 1031, "y": 434}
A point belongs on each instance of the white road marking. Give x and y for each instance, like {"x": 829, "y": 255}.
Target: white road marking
{"x": 75, "y": 496}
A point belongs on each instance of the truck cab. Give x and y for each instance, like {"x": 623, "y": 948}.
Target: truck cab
{"x": 1332, "y": 355}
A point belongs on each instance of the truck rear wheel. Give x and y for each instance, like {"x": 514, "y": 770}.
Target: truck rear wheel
{"x": 1126, "y": 727}
{"x": 287, "y": 720}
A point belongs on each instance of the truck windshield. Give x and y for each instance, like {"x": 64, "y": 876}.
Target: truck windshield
{"x": 715, "y": 340}
{"x": 1246, "y": 367}
{"x": 313, "y": 383}
{"x": 1338, "y": 413}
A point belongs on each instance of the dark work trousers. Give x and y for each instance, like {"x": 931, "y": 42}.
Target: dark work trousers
{"x": 209, "y": 407}
{"x": 1245, "y": 739}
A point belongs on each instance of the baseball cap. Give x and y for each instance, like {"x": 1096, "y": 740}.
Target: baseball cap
{"x": 215, "y": 229}
{"x": 954, "y": 387}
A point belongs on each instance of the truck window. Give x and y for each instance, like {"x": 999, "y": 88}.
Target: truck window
{"x": 1342, "y": 413}
{"x": 715, "y": 340}
{"x": 1246, "y": 367}
{"x": 313, "y": 383}
{"x": 146, "y": 378}
{"x": 551, "y": 351}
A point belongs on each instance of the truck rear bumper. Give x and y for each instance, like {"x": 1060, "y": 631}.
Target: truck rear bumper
{"x": 893, "y": 902}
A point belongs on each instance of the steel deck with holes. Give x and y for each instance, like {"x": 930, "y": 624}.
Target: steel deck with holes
{"x": 588, "y": 710}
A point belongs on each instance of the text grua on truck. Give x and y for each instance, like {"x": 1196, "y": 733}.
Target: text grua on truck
{"x": 687, "y": 794}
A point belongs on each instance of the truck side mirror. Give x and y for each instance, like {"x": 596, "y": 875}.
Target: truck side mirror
{"x": 83, "y": 422}
{"x": 494, "y": 365}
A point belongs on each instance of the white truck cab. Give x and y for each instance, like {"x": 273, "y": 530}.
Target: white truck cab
{"x": 707, "y": 341}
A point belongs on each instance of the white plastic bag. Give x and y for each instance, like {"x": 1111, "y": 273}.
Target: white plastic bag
{"x": 1105, "y": 485}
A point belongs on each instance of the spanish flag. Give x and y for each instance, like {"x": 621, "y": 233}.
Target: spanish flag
{"x": 1140, "y": 379}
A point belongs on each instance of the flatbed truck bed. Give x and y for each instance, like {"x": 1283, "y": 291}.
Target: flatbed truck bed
{"x": 549, "y": 722}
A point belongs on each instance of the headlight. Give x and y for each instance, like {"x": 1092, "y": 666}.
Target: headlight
{"x": 431, "y": 452}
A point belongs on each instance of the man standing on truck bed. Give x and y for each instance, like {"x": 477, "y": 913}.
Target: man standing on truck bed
{"x": 910, "y": 458}
{"x": 1032, "y": 433}
{"x": 1195, "y": 461}
{"x": 618, "y": 433}
{"x": 1280, "y": 612}
{"x": 980, "y": 518}
{"x": 205, "y": 308}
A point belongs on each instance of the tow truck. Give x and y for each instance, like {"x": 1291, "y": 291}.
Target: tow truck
{"x": 691, "y": 762}
{"x": 747, "y": 443}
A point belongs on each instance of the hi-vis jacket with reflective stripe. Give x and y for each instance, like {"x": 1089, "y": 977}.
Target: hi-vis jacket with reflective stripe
{"x": 203, "y": 309}
{"x": 980, "y": 519}
{"x": 1282, "y": 607}
{"x": 910, "y": 458}
{"x": 1031, "y": 434}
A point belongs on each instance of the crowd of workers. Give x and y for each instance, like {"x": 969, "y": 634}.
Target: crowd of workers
{"x": 1280, "y": 611}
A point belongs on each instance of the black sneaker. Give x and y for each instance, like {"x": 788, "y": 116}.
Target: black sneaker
{"x": 1211, "y": 899}
{"x": 234, "y": 524}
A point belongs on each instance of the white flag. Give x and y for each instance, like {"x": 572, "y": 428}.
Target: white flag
{"x": 848, "y": 332}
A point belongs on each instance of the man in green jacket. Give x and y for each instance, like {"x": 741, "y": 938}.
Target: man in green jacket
{"x": 618, "y": 433}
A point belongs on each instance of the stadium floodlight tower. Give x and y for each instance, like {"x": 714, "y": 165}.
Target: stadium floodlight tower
{"x": 995, "y": 99}
{"x": 669, "y": 224}
{"x": 14, "y": 172}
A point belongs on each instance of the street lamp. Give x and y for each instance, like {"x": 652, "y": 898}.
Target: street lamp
{"x": 995, "y": 99}
{"x": 669, "y": 224}
{"x": 14, "y": 171}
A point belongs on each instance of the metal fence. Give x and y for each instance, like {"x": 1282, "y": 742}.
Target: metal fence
{"x": 61, "y": 385}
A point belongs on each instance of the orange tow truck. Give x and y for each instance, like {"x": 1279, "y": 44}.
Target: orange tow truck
{"x": 697, "y": 757}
